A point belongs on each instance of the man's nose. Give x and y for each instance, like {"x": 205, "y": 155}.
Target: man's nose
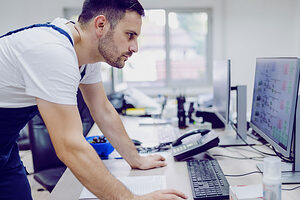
{"x": 133, "y": 47}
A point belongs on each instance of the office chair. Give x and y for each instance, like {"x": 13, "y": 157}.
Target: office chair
{"x": 23, "y": 140}
{"x": 47, "y": 167}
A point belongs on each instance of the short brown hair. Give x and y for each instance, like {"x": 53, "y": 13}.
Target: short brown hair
{"x": 113, "y": 10}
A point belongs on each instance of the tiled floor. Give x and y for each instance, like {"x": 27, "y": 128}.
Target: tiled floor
{"x": 38, "y": 193}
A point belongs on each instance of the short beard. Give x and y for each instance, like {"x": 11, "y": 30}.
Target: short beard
{"x": 108, "y": 50}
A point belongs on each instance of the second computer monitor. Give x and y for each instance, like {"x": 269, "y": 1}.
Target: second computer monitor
{"x": 221, "y": 89}
{"x": 274, "y": 101}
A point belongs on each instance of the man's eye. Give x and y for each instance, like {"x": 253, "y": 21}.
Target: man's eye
{"x": 130, "y": 35}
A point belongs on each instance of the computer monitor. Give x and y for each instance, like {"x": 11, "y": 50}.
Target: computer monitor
{"x": 274, "y": 103}
{"x": 221, "y": 89}
{"x": 221, "y": 105}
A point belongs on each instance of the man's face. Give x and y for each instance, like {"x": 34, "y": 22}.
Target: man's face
{"x": 120, "y": 43}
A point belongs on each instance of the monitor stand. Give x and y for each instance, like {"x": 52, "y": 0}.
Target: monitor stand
{"x": 291, "y": 171}
{"x": 234, "y": 140}
{"x": 240, "y": 138}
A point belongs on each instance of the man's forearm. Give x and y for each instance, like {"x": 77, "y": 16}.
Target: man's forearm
{"x": 86, "y": 165}
{"x": 65, "y": 130}
{"x": 108, "y": 120}
{"x": 112, "y": 127}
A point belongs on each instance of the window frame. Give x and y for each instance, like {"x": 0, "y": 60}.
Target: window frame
{"x": 169, "y": 86}
{"x": 169, "y": 83}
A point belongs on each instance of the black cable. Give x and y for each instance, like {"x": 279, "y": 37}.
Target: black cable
{"x": 234, "y": 126}
{"x": 255, "y": 172}
{"x": 268, "y": 154}
{"x": 242, "y": 149}
{"x": 240, "y": 158}
{"x": 238, "y": 175}
{"x": 289, "y": 171}
{"x": 260, "y": 152}
{"x": 288, "y": 160}
{"x": 290, "y": 189}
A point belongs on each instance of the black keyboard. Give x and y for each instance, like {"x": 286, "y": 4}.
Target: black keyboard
{"x": 207, "y": 180}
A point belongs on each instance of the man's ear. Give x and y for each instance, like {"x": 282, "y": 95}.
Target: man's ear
{"x": 100, "y": 25}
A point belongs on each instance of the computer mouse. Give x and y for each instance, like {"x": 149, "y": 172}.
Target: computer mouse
{"x": 136, "y": 142}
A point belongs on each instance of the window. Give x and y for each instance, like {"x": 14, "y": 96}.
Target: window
{"x": 174, "y": 49}
{"x": 148, "y": 66}
{"x": 172, "y": 54}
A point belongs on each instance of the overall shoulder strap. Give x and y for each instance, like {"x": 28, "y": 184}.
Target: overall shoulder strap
{"x": 83, "y": 72}
{"x": 60, "y": 30}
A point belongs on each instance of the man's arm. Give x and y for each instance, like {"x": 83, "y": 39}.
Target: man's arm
{"x": 65, "y": 129}
{"x": 112, "y": 127}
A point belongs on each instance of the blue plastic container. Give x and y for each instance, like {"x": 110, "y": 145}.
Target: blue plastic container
{"x": 103, "y": 149}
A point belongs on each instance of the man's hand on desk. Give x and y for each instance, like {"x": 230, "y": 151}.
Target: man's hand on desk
{"x": 150, "y": 162}
{"x": 163, "y": 195}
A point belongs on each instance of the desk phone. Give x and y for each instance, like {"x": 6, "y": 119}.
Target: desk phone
{"x": 183, "y": 151}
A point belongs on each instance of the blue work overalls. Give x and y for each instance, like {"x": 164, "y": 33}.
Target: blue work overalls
{"x": 13, "y": 181}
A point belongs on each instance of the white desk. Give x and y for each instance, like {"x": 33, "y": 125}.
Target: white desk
{"x": 69, "y": 188}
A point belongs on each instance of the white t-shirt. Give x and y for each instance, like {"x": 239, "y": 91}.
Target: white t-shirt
{"x": 41, "y": 62}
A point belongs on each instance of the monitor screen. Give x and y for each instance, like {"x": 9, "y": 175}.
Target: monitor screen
{"x": 274, "y": 101}
{"x": 221, "y": 89}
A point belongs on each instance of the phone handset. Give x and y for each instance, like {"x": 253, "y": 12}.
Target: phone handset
{"x": 208, "y": 140}
{"x": 192, "y": 132}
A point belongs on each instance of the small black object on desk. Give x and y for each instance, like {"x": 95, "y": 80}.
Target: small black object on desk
{"x": 181, "y": 112}
{"x": 190, "y": 112}
{"x": 212, "y": 118}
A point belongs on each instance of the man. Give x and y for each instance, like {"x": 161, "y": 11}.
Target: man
{"x": 40, "y": 70}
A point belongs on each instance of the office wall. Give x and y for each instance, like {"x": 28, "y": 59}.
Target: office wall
{"x": 18, "y": 13}
{"x": 258, "y": 28}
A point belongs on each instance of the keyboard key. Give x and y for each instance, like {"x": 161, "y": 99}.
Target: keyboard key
{"x": 207, "y": 180}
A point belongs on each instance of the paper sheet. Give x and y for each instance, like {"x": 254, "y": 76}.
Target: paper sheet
{"x": 138, "y": 185}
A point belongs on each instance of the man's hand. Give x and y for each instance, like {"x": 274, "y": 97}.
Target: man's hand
{"x": 162, "y": 195}
{"x": 150, "y": 162}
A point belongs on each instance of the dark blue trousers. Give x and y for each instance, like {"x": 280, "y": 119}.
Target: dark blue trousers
{"x": 14, "y": 184}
